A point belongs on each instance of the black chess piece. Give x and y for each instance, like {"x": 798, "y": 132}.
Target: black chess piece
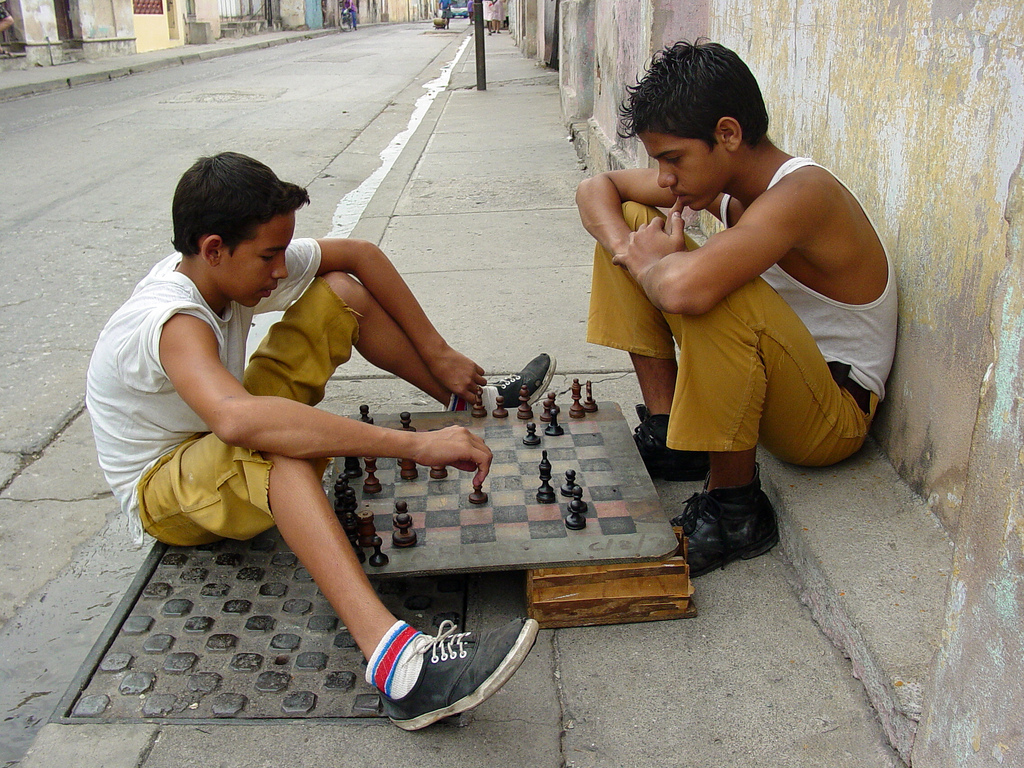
{"x": 406, "y": 418}
{"x": 499, "y": 412}
{"x": 478, "y": 496}
{"x": 403, "y": 536}
{"x": 352, "y": 469}
{"x": 531, "y": 438}
{"x": 545, "y": 494}
{"x": 577, "y": 518}
{"x": 378, "y": 558}
{"x": 371, "y": 484}
{"x": 350, "y": 524}
{"x": 364, "y": 414}
{"x": 554, "y": 429}
{"x": 590, "y": 405}
{"x": 339, "y": 494}
{"x": 569, "y": 484}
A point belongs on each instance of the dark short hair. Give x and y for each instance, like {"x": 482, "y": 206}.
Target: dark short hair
{"x": 229, "y": 195}
{"x": 688, "y": 88}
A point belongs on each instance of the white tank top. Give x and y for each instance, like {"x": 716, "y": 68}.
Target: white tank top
{"x": 861, "y": 335}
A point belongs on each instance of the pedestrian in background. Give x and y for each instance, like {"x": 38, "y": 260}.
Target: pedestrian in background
{"x": 6, "y": 22}
{"x": 494, "y": 12}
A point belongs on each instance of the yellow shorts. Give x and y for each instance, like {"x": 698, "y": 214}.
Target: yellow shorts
{"x": 204, "y": 489}
{"x": 749, "y": 371}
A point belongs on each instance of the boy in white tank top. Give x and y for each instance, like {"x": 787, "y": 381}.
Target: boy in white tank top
{"x": 785, "y": 322}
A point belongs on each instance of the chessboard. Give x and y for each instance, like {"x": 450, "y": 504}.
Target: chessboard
{"x": 512, "y": 530}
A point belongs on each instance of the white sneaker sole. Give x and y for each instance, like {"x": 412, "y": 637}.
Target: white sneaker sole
{"x": 490, "y": 393}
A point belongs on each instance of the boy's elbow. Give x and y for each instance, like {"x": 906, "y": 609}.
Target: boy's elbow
{"x": 233, "y": 426}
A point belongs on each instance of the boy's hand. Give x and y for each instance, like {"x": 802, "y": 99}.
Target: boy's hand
{"x": 653, "y": 242}
{"x": 455, "y": 447}
{"x": 458, "y": 373}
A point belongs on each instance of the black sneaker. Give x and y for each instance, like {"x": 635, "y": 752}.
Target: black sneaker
{"x": 460, "y": 670}
{"x": 661, "y": 461}
{"x": 727, "y": 524}
{"x": 536, "y": 376}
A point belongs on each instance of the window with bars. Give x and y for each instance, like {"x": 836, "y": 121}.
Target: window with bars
{"x": 147, "y": 6}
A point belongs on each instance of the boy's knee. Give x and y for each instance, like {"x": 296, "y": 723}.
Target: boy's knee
{"x": 637, "y": 214}
{"x": 350, "y": 290}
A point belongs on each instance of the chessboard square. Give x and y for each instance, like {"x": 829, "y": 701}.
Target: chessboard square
{"x": 558, "y": 455}
{"x": 478, "y": 534}
{"x": 511, "y": 514}
{"x": 446, "y": 518}
{"x": 506, "y": 532}
{"x": 449, "y": 485}
{"x": 591, "y": 464}
{"x": 613, "y": 526}
{"x": 439, "y": 503}
{"x": 604, "y": 492}
{"x": 387, "y": 490}
{"x": 505, "y": 498}
{"x": 497, "y": 431}
{"x": 503, "y": 457}
{"x": 442, "y": 536}
{"x": 543, "y": 512}
{"x": 587, "y": 439}
{"x": 510, "y": 469}
{"x": 409, "y": 488}
{"x": 587, "y": 425}
{"x": 482, "y": 515}
{"x": 547, "y": 529}
{"x": 510, "y": 483}
{"x": 611, "y": 508}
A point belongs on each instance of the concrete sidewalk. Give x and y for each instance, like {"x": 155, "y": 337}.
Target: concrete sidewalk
{"x": 478, "y": 213}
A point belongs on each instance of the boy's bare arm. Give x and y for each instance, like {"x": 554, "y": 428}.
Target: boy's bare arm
{"x": 368, "y": 264}
{"x": 600, "y": 198}
{"x": 189, "y": 355}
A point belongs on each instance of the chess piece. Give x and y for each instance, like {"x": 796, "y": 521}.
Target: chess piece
{"x": 339, "y": 494}
{"x": 554, "y": 429}
{"x": 477, "y": 496}
{"x": 406, "y": 418}
{"x": 531, "y": 438}
{"x": 350, "y": 524}
{"x": 570, "y": 483}
{"x": 499, "y": 411}
{"x": 576, "y": 409}
{"x": 438, "y": 473}
{"x": 545, "y": 494}
{"x": 366, "y": 530}
{"x": 378, "y": 558}
{"x": 479, "y": 411}
{"x": 577, "y": 518}
{"x": 408, "y": 471}
{"x": 352, "y": 469}
{"x": 371, "y": 484}
{"x": 525, "y": 412}
{"x": 549, "y": 402}
{"x": 364, "y": 414}
{"x": 590, "y": 405}
{"x": 403, "y": 536}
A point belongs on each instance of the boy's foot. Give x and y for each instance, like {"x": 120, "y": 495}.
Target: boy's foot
{"x": 661, "y": 461}
{"x": 536, "y": 376}
{"x": 459, "y": 671}
{"x": 727, "y": 524}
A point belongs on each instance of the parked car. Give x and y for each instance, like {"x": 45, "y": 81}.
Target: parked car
{"x": 459, "y": 10}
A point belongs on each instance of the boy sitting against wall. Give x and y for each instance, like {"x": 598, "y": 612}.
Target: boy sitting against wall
{"x": 197, "y": 446}
{"x": 785, "y": 321}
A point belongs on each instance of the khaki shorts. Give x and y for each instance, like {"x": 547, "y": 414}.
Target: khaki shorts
{"x": 204, "y": 489}
{"x": 749, "y": 371}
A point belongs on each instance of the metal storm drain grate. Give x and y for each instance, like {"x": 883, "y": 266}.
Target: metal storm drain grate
{"x": 238, "y": 630}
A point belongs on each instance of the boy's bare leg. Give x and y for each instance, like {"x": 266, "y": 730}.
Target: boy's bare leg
{"x": 657, "y": 379}
{"x": 383, "y": 342}
{"x": 310, "y": 527}
{"x": 731, "y": 469}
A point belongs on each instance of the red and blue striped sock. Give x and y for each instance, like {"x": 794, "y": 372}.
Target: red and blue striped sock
{"x": 457, "y": 404}
{"x": 393, "y": 671}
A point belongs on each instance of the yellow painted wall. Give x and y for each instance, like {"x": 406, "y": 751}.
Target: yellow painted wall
{"x": 153, "y": 34}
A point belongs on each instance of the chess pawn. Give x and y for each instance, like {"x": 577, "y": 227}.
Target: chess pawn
{"x": 570, "y": 483}
{"x": 576, "y": 409}
{"x": 403, "y": 535}
{"x": 408, "y": 471}
{"x": 554, "y": 429}
{"x": 525, "y": 412}
{"x": 364, "y": 414}
{"x": 406, "y": 419}
{"x": 352, "y": 469}
{"x": 438, "y": 473}
{"x": 371, "y": 484}
{"x": 477, "y": 496}
{"x": 531, "y": 438}
{"x": 577, "y": 518}
{"x": 499, "y": 411}
{"x": 479, "y": 411}
{"x": 366, "y": 529}
{"x": 339, "y": 494}
{"x": 549, "y": 403}
{"x": 590, "y": 405}
{"x": 378, "y": 558}
{"x": 350, "y": 524}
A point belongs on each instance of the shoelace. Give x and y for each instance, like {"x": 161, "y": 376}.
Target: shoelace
{"x": 446, "y": 645}
{"x": 701, "y": 504}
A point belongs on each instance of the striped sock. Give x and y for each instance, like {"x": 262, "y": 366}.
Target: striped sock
{"x": 387, "y": 670}
{"x": 457, "y": 404}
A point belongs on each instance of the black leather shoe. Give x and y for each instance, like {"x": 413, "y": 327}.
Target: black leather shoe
{"x": 661, "y": 461}
{"x": 727, "y": 524}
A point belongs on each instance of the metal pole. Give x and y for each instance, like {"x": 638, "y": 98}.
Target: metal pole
{"x": 478, "y": 30}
